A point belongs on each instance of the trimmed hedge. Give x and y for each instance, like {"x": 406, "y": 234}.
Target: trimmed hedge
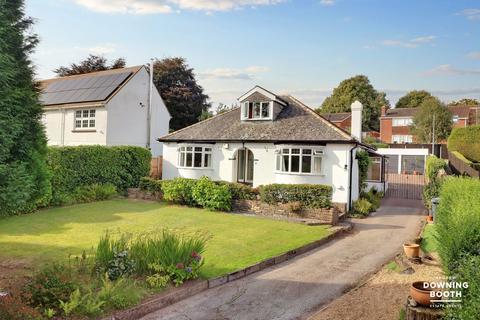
{"x": 431, "y": 189}
{"x": 466, "y": 141}
{"x": 74, "y": 167}
{"x": 150, "y": 185}
{"x": 458, "y": 238}
{"x": 433, "y": 165}
{"x": 309, "y": 195}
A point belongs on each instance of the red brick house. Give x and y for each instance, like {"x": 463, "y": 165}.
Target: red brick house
{"x": 343, "y": 120}
{"x": 395, "y": 123}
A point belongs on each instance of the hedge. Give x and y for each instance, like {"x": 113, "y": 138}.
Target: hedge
{"x": 431, "y": 189}
{"x": 74, "y": 167}
{"x": 466, "y": 141}
{"x": 458, "y": 237}
{"x": 310, "y": 195}
{"x": 433, "y": 165}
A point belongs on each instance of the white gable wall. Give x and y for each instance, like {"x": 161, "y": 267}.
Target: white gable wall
{"x": 335, "y": 166}
{"x": 127, "y": 119}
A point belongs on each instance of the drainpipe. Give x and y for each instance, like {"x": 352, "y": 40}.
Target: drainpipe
{"x": 149, "y": 109}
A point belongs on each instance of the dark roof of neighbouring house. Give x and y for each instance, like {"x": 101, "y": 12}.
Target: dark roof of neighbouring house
{"x": 336, "y": 117}
{"x": 295, "y": 123}
{"x": 90, "y": 87}
{"x": 460, "y": 111}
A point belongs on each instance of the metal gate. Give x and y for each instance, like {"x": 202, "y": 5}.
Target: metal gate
{"x": 406, "y": 186}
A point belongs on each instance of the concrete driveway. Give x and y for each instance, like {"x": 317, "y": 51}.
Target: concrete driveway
{"x": 294, "y": 289}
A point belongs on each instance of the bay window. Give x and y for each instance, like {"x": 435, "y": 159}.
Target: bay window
{"x": 194, "y": 157}
{"x": 299, "y": 160}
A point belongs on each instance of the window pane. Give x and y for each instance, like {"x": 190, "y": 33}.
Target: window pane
{"x": 285, "y": 151}
{"x": 189, "y": 160}
{"x": 198, "y": 149}
{"x": 85, "y": 123}
{"x": 241, "y": 165}
{"x": 189, "y": 148}
{"x": 208, "y": 160}
{"x": 92, "y": 123}
{"x": 181, "y": 161}
{"x": 278, "y": 162}
{"x": 249, "y": 165}
{"x": 197, "y": 161}
{"x": 306, "y": 164}
{"x": 208, "y": 149}
{"x": 285, "y": 163}
{"x": 295, "y": 151}
{"x": 78, "y": 123}
{"x": 85, "y": 113}
{"x": 373, "y": 172}
{"x": 295, "y": 163}
{"x": 92, "y": 113}
{"x": 245, "y": 110}
{"x": 256, "y": 110}
{"x": 306, "y": 151}
{"x": 78, "y": 113}
{"x": 265, "y": 109}
{"x": 317, "y": 164}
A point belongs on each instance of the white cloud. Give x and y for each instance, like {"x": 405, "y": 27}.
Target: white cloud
{"x": 247, "y": 73}
{"x": 448, "y": 69}
{"x": 167, "y": 6}
{"x": 327, "y": 2}
{"x": 470, "y": 14}
{"x": 474, "y": 55}
{"x": 412, "y": 43}
{"x": 102, "y": 49}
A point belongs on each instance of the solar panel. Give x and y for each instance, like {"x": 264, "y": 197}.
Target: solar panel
{"x": 83, "y": 89}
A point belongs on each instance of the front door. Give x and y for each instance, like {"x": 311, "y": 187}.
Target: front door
{"x": 245, "y": 166}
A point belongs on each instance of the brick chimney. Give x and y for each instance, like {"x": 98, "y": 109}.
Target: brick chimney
{"x": 356, "y": 127}
{"x": 384, "y": 111}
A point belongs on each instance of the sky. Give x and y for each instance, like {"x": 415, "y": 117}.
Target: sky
{"x": 299, "y": 47}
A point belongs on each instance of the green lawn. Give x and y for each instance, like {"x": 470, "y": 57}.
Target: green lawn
{"x": 429, "y": 243}
{"x": 237, "y": 241}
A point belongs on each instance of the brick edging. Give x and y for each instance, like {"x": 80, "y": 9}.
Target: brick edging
{"x": 192, "y": 288}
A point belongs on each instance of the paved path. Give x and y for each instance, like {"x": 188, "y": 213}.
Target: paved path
{"x": 294, "y": 289}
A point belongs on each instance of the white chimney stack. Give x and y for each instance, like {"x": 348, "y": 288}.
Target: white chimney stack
{"x": 356, "y": 127}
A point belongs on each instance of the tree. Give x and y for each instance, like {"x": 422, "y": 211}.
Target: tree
{"x": 182, "y": 95}
{"x": 431, "y": 112}
{"x": 413, "y": 99}
{"x": 357, "y": 88}
{"x": 465, "y": 102}
{"x": 24, "y": 178}
{"x": 91, "y": 64}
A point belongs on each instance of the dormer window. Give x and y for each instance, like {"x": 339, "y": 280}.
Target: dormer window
{"x": 256, "y": 110}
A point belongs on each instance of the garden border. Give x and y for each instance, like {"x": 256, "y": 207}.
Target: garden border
{"x": 189, "y": 289}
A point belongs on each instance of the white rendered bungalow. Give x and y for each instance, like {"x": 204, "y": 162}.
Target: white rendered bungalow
{"x": 269, "y": 139}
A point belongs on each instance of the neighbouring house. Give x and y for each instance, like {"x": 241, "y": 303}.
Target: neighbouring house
{"x": 395, "y": 123}
{"x": 342, "y": 120}
{"x": 269, "y": 139}
{"x": 105, "y": 108}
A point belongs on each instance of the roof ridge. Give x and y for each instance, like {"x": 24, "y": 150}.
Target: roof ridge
{"x": 198, "y": 123}
{"x": 341, "y": 131}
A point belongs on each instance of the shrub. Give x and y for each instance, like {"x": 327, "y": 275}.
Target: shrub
{"x": 74, "y": 167}
{"x": 362, "y": 207}
{"x": 179, "y": 190}
{"x": 363, "y": 163}
{"x": 211, "y": 195}
{"x": 433, "y": 165}
{"x": 94, "y": 192}
{"x": 466, "y": 141}
{"x": 458, "y": 221}
{"x": 240, "y": 191}
{"x": 52, "y": 284}
{"x": 150, "y": 185}
{"x": 431, "y": 189}
{"x": 107, "y": 249}
{"x": 120, "y": 294}
{"x": 374, "y": 197}
{"x": 310, "y": 195}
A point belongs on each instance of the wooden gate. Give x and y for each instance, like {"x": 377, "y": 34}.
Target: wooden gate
{"x": 406, "y": 186}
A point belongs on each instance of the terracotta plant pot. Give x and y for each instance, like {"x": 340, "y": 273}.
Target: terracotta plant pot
{"x": 412, "y": 250}
{"x": 429, "y": 218}
{"x": 420, "y": 293}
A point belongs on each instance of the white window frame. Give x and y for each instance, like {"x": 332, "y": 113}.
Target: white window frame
{"x": 205, "y": 156}
{"x": 262, "y": 105}
{"x": 402, "y": 122}
{"x": 455, "y": 118}
{"x": 87, "y": 115}
{"x": 402, "y": 138}
{"x": 377, "y": 160}
{"x": 316, "y": 154}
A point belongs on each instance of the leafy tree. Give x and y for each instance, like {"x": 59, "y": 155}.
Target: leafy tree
{"x": 24, "y": 178}
{"x": 357, "y": 88}
{"x": 465, "y": 102}
{"x": 431, "y": 112}
{"x": 413, "y": 99}
{"x": 221, "y": 108}
{"x": 180, "y": 91}
{"x": 90, "y": 64}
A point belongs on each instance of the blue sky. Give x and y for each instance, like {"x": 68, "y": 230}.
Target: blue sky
{"x": 301, "y": 47}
